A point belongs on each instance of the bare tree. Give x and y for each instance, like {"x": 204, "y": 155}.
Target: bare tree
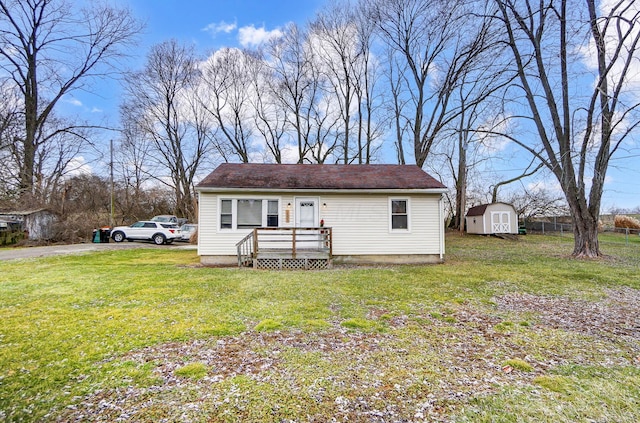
{"x": 227, "y": 95}
{"x": 399, "y": 101}
{"x": 160, "y": 100}
{"x": 342, "y": 38}
{"x": 270, "y": 119}
{"x": 48, "y": 49}
{"x": 367, "y": 74}
{"x": 427, "y": 39}
{"x": 334, "y": 37}
{"x": 556, "y": 46}
{"x": 538, "y": 202}
{"x": 132, "y": 164}
{"x": 11, "y": 125}
{"x": 479, "y": 82}
{"x": 298, "y": 87}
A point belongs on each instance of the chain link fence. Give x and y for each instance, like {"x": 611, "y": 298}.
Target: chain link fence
{"x": 608, "y": 235}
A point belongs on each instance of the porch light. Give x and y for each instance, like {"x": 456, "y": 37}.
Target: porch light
{"x": 288, "y": 206}
{"x": 324, "y": 205}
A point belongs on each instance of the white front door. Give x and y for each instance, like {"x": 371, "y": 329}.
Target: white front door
{"x": 307, "y": 217}
{"x": 500, "y": 223}
{"x": 307, "y": 212}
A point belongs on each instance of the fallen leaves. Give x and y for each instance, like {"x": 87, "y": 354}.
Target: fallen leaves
{"x": 422, "y": 367}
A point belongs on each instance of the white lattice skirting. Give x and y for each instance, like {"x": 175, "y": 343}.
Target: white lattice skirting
{"x": 291, "y": 264}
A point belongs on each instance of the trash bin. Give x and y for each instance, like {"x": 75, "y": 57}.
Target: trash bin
{"x": 96, "y": 236}
{"x": 105, "y": 233}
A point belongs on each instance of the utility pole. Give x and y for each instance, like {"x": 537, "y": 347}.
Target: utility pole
{"x": 111, "y": 221}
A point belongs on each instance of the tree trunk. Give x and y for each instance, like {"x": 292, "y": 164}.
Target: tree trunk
{"x": 461, "y": 185}
{"x": 585, "y": 233}
{"x": 585, "y": 227}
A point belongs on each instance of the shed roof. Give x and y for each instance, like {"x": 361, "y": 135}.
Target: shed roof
{"x": 319, "y": 176}
{"x": 479, "y": 210}
{"x": 23, "y": 212}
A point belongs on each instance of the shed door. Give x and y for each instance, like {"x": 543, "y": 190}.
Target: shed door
{"x": 500, "y": 222}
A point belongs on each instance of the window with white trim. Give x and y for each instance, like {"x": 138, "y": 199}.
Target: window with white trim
{"x": 226, "y": 214}
{"x": 248, "y": 213}
{"x": 399, "y": 214}
{"x": 272, "y": 213}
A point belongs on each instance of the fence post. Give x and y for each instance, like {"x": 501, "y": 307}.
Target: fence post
{"x": 626, "y": 237}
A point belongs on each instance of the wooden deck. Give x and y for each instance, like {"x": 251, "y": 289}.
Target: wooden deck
{"x": 286, "y": 248}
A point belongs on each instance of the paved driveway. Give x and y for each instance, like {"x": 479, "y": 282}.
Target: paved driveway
{"x": 33, "y": 252}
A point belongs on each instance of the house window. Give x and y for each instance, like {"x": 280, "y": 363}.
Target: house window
{"x": 248, "y": 213}
{"x": 226, "y": 214}
{"x": 399, "y": 214}
{"x": 272, "y": 213}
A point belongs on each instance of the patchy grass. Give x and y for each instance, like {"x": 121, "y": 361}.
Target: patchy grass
{"x": 194, "y": 371}
{"x": 144, "y": 335}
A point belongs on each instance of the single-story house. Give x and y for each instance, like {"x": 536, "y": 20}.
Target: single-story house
{"x": 38, "y": 224}
{"x": 495, "y": 218}
{"x": 363, "y": 213}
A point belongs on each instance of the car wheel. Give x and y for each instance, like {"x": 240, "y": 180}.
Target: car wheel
{"x": 158, "y": 239}
{"x": 118, "y": 236}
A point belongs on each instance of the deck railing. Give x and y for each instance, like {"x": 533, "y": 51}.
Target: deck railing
{"x": 285, "y": 242}
{"x": 245, "y": 250}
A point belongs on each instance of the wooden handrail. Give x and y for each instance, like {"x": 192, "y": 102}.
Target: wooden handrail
{"x": 245, "y": 249}
{"x": 293, "y": 240}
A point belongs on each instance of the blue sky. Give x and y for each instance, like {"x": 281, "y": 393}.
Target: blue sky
{"x": 209, "y": 25}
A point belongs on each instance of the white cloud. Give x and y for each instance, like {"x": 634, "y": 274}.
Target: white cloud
{"x": 290, "y": 153}
{"x": 250, "y": 36}
{"x": 96, "y": 110}
{"x": 78, "y": 166}
{"x": 222, "y": 26}
{"x": 73, "y": 101}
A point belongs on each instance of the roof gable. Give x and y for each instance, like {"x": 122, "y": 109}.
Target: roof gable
{"x": 319, "y": 176}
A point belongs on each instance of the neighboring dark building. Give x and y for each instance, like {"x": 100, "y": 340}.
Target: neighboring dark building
{"x": 38, "y": 224}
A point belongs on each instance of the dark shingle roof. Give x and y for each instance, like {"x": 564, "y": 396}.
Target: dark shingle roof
{"x": 319, "y": 176}
{"x": 477, "y": 210}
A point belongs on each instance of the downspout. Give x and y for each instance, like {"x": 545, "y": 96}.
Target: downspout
{"x": 441, "y": 217}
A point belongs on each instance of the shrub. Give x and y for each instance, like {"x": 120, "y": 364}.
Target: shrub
{"x": 626, "y": 222}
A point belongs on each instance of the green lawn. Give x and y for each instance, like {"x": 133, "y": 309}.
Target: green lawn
{"x": 503, "y": 331}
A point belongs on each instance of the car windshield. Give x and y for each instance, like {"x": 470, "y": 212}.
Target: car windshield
{"x": 137, "y": 225}
{"x": 169, "y": 225}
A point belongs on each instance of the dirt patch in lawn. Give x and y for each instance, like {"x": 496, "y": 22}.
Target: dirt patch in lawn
{"x": 424, "y": 366}
{"x": 618, "y": 315}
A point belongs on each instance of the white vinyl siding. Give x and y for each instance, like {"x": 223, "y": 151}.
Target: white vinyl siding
{"x": 360, "y": 223}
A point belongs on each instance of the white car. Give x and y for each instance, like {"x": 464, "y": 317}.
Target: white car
{"x": 187, "y": 230}
{"x": 158, "y": 232}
